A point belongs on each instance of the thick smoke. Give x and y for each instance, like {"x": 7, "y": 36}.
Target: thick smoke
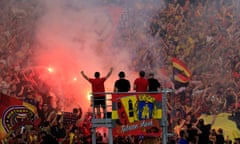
{"x": 93, "y": 35}
{"x": 74, "y": 35}
{"x": 77, "y": 35}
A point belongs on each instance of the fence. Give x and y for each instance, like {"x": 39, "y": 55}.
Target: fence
{"x": 128, "y": 113}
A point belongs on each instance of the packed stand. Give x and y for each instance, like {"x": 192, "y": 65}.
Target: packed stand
{"x": 203, "y": 34}
{"x": 20, "y": 80}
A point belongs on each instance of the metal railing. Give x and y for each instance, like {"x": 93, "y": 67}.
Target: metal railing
{"x": 107, "y": 121}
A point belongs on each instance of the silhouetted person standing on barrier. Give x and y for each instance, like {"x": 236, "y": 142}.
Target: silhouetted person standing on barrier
{"x": 99, "y": 98}
{"x": 153, "y": 84}
{"x": 141, "y": 83}
{"x": 122, "y": 84}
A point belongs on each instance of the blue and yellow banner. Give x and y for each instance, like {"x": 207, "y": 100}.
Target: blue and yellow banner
{"x": 137, "y": 114}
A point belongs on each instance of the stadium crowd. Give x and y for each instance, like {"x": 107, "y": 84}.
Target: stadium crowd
{"x": 203, "y": 34}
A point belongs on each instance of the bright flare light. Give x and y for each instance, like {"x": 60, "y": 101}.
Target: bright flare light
{"x": 75, "y": 78}
{"x": 89, "y": 96}
{"x": 50, "y": 69}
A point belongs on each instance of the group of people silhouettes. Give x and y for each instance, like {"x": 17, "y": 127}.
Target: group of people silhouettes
{"x": 141, "y": 84}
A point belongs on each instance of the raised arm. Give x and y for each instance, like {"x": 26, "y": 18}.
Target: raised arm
{"x": 84, "y": 75}
{"x": 109, "y": 73}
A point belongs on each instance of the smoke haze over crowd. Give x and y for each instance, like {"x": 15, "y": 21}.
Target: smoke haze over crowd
{"x": 76, "y": 35}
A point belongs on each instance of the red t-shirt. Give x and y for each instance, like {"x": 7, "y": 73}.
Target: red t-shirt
{"x": 98, "y": 85}
{"x": 141, "y": 84}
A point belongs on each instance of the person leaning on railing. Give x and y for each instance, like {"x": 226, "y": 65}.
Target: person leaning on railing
{"x": 122, "y": 84}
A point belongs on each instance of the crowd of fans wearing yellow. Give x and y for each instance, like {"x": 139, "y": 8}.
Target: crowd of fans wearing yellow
{"x": 203, "y": 34}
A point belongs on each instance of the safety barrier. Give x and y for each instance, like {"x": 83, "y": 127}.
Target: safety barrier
{"x": 132, "y": 113}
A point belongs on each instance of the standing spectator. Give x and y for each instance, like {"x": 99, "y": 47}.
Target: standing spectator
{"x": 192, "y": 132}
{"x": 2, "y": 83}
{"x": 183, "y": 138}
{"x": 46, "y": 138}
{"x": 30, "y": 98}
{"x": 141, "y": 83}
{"x": 220, "y": 137}
{"x": 122, "y": 84}
{"x": 57, "y": 128}
{"x": 205, "y": 132}
{"x": 212, "y": 137}
{"x": 98, "y": 87}
{"x": 5, "y": 84}
{"x": 14, "y": 92}
{"x": 178, "y": 127}
{"x": 153, "y": 83}
{"x": 46, "y": 114}
{"x": 72, "y": 118}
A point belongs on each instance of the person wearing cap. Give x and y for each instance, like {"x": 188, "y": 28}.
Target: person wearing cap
{"x": 122, "y": 84}
{"x": 153, "y": 83}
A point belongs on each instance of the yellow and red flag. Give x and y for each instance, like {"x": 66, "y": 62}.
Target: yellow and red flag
{"x": 13, "y": 112}
{"x": 181, "y": 74}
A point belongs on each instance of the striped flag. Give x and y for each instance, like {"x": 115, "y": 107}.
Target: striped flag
{"x": 181, "y": 74}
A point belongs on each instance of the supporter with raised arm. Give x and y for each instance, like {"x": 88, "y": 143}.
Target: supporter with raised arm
{"x": 205, "y": 130}
{"x": 98, "y": 89}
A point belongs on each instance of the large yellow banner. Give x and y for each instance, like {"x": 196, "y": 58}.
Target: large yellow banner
{"x": 226, "y": 122}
